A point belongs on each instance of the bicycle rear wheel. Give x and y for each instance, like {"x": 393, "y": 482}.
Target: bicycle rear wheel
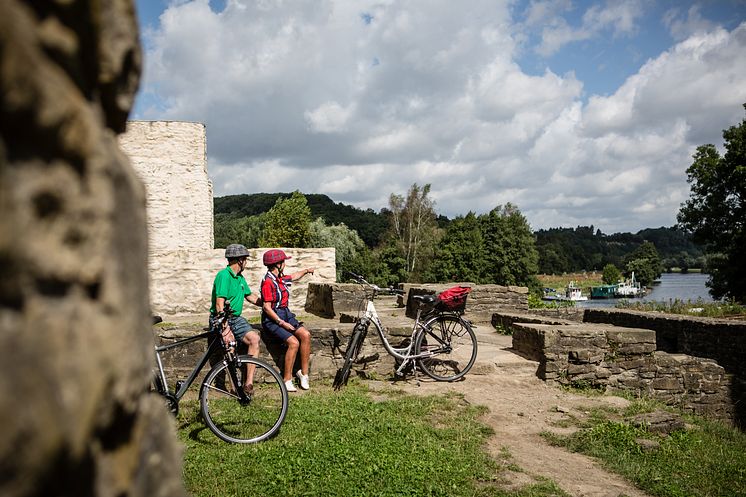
{"x": 452, "y": 345}
{"x": 353, "y": 349}
{"x": 236, "y": 421}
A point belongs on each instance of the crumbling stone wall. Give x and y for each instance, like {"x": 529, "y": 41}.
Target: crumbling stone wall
{"x": 719, "y": 339}
{"x": 75, "y": 343}
{"x": 483, "y": 299}
{"x": 330, "y": 300}
{"x": 333, "y": 299}
{"x": 621, "y": 358}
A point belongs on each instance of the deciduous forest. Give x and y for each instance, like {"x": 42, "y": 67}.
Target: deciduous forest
{"x": 408, "y": 241}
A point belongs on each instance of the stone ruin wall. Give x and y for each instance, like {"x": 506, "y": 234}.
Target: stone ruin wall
{"x": 720, "y": 339}
{"x": 75, "y": 331}
{"x": 170, "y": 158}
{"x": 617, "y": 357}
{"x": 181, "y": 281}
{"x": 333, "y": 299}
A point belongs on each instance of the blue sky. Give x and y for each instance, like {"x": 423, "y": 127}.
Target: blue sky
{"x": 579, "y": 113}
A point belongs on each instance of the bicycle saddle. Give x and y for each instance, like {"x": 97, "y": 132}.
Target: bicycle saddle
{"x": 425, "y": 299}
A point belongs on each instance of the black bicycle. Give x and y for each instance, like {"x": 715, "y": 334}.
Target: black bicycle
{"x": 231, "y": 413}
{"x": 442, "y": 344}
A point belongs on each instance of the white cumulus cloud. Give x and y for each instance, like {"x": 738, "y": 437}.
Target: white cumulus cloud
{"x": 361, "y": 99}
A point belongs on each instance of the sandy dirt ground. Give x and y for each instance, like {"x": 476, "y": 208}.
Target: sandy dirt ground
{"x": 521, "y": 406}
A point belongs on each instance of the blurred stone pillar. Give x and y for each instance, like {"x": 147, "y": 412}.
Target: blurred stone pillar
{"x": 75, "y": 341}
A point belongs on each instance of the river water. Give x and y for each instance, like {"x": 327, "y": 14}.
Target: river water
{"x": 672, "y": 286}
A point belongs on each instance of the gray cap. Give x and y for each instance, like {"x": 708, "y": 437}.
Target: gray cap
{"x": 235, "y": 250}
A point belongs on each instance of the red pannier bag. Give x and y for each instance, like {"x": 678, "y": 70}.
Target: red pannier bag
{"x": 453, "y": 299}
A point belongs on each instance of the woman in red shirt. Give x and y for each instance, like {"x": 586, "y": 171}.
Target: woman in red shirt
{"x": 279, "y": 325}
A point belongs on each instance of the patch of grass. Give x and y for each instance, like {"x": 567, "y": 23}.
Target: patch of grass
{"x": 584, "y": 387}
{"x": 643, "y": 405}
{"x": 708, "y": 460}
{"x": 352, "y": 442}
{"x": 504, "y": 330}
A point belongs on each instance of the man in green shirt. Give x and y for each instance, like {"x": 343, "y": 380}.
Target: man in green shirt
{"x": 230, "y": 286}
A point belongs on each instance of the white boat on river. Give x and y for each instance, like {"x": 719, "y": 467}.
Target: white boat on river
{"x": 629, "y": 288}
{"x": 572, "y": 292}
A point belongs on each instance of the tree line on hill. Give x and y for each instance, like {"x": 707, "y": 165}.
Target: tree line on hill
{"x": 408, "y": 241}
{"x": 564, "y": 250}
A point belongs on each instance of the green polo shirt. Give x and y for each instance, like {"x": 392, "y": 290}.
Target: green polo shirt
{"x": 232, "y": 287}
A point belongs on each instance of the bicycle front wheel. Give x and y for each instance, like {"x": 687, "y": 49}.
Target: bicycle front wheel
{"x": 353, "y": 349}
{"x": 451, "y": 346}
{"x": 239, "y": 421}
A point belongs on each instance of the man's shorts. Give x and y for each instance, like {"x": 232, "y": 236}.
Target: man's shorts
{"x": 239, "y": 326}
{"x": 273, "y": 332}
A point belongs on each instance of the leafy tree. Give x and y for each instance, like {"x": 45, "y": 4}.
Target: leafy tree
{"x": 716, "y": 211}
{"x": 645, "y": 263}
{"x": 459, "y": 256}
{"x": 553, "y": 259}
{"x": 230, "y": 228}
{"x": 611, "y": 274}
{"x": 509, "y": 253}
{"x": 346, "y": 242}
{"x": 413, "y": 228}
{"x": 388, "y": 267}
{"x": 225, "y": 230}
{"x": 369, "y": 225}
{"x": 287, "y": 223}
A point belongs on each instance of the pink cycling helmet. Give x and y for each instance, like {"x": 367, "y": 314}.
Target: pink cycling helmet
{"x": 274, "y": 256}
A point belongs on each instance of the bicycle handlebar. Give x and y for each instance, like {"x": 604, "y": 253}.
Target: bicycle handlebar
{"x": 377, "y": 289}
{"x": 220, "y": 319}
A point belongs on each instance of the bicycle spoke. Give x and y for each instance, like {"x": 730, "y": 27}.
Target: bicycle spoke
{"x": 452, "y": 345}
{"x": 222, "y": 391}
{"x": 244, "y": 422}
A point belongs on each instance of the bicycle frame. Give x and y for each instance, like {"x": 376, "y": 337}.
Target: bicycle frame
{"x": 403, "y": 353}
{"x": 211, "y": 349}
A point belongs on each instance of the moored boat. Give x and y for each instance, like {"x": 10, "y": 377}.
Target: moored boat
{"x": 629, "y": 288}
{"x": 604, "y": 292}
{"x": 572, "y": 293}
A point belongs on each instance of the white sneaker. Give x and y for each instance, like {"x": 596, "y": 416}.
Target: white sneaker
{"x": 290, "y": 387}
{"x": 303, "y": 379}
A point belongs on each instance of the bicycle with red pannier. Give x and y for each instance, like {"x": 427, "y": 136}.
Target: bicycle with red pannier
{"x": 442, "y": 343}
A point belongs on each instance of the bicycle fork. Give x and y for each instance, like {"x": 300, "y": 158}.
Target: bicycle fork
{"x": 233, "y": 364}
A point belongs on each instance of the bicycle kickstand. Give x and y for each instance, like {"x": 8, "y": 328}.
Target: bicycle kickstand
{"x": 400, "y": 370}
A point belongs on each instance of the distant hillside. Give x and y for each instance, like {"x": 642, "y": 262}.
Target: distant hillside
{"x": 369, "y": 224}
{"x": 576, "y": 249}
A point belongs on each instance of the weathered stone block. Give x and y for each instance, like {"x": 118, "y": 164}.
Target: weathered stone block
{"x": 77, "y": 417}
{"x": 603, "y": 373}
{"x": 585, "y": 356}
{"x": 627, "y": 336}
{"x": 636, "y": 349}
{"x": 666, "y": 384}
{"x": 483, "y": 299}
{"x": 631, "y": 363}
